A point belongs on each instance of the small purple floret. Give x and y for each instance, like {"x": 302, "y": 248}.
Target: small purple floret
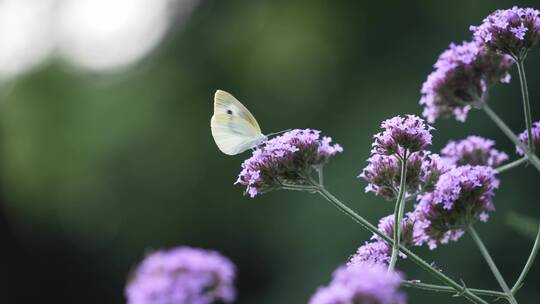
{"x": 536, "y": 139}
{"x": 182, "y": 275}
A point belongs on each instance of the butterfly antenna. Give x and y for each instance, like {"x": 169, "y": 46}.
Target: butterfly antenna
{"x": 277, "y": 133}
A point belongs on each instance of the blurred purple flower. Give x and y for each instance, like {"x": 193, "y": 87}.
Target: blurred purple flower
{"x": 536, "y": 139}
{"x": 362, "y": 284}
{"x": 182, "y": 275}
{"x": 462, "y": 196}
{"x": 402, "y": 134}
{"x": 463, "y": 74}
{"x": 473, "y": 150}
{"x": 286, "y": 159}
{"x": 511, "y": 31}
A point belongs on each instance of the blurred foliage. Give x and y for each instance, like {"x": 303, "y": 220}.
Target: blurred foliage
{"x": 99, "y": 168}
{"x": 526, "y": 225}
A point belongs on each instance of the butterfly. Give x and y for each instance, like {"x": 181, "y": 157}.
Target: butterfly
{"x": 234, "y": 128}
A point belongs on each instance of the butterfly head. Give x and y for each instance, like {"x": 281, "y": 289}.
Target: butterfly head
{"x": 261, "y": 140}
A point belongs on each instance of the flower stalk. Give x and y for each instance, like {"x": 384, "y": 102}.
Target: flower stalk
{"x": 528, "y": 264}
{"x": 511, "y": 165}
{"x": 459, "y": 289}
{"x": 526, "y": 103}
{"x": 533, "y": 159}
{"x": 441, "y": 288}
{"x": 399, "y": 211}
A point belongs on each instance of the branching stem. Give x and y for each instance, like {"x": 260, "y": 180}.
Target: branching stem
{"x": 458, "y": 288}
{"x": 533, "y": 159}
{"x": 398, "y": 212}
{"x": 528, "y": 264}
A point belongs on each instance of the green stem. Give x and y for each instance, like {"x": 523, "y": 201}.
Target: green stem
{"x": 511, "y": 165}
{"x": 298, "y": 187}
{"x": 510, "y": 134}
{"x": 526, "y": 104}
{"x": 462, "y": 290}
{"x": 398, "y": 213}
{"x": 528, "y": 265}
{"x": 320, "y": 174}
{"x": 491, "y": 264}
{"x": 440, "y": 288}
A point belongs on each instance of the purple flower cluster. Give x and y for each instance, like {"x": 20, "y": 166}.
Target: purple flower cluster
{"x": 402, "y": 138}
{"x": 462, "y": 196}
{"x": 378, "y": 251}
{"x": 362, "y": 284}
{"x": 286, "y": 159}
{"x": 473, "y": 150}
{"x": 374, "y": 252}
{"x": 511, "y": 31}
{"x": 463, "y": 74}
{"x": 182, "y": 275}
{"x": 383, "y": 174}
{"x": 536, "y": 139}
{"x": 402, "y": 135}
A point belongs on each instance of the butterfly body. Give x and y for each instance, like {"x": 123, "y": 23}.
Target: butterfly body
{"x": 234, "y": 128}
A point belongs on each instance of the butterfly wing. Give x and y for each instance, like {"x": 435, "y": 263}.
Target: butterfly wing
{"x": 233, "y": 127}
{"x": 225, "y": 103}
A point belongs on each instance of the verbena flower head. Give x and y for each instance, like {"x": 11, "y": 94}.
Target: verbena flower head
{"x": 386, "y": 226}
{"x": 361, "y": 284}
{"x": 383, "y": 174}
{"x": 473, "y": 150}
{"x": 400, "y": 134}
{"x": 377, "y": 250}
{"x": 462, "y": 196}
{"x": 286, "y": 159}
{"x": 463, "y": 74}
{"x": 511, "y": 31}
{"x": 525, "y": 139}
{"x": 373, "y": 252}
{"x": 182, "y": 275}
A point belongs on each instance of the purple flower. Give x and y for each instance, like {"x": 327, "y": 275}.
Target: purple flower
{"x": 182, "y": 275}
{"x": 473, "y": 150}
{"x": 511, "y": 31}
{"x": 432, "y": 167}
{"x": 462, "y": 196}
{"x": 402, "y": 135}
{"x": 374, "y": 252}
{"x": 386, "y": 226}
{"x": 361, "y": 284}
{"x": 463, "y": 74}
{"x": 536, "y": 139}
{"x": 383, "y": 174}
{"x": 378, "y": 251}
{"x": 286, "y": 159}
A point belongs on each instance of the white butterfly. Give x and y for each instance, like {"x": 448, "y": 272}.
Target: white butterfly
{"x": 234, "y": 128}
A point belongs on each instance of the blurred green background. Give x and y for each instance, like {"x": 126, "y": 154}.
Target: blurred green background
{"x": 98, "y": 167}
